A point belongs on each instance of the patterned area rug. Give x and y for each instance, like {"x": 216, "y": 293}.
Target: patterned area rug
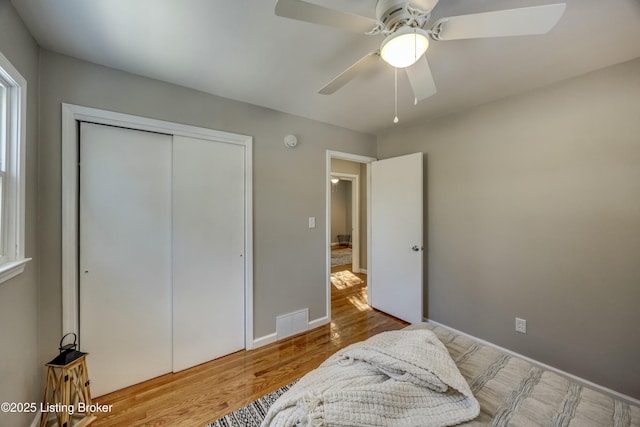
{"x": 340, "y": 256}
{"x": 252, "y": 414}
{"x": 344, "y": 279}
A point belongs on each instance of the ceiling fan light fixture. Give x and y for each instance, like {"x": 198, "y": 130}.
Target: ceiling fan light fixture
{"x": 404, "y": 47}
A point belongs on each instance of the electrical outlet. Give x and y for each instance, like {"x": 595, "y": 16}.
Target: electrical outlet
{"x": 521, "y": 325}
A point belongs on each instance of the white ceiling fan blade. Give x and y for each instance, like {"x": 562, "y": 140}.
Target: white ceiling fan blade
{"x": 424, "y": 5}
{"x": 350, "y": 73}
{"x": 421, "y": 79}
{"x": 510, "y": 22}
{"x": 308, "y": 12}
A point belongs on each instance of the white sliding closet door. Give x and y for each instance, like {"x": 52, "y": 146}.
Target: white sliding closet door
{"x": 208, "y": 250}
{"x": 125, "y": 255}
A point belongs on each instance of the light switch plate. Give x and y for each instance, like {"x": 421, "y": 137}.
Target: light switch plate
{"x": 312, "y": 222}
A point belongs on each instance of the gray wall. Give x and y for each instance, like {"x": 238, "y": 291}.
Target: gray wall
{"x": 288, "y": 187}
{"x": 533, "y": 210}
{"x": 20, "y": 369}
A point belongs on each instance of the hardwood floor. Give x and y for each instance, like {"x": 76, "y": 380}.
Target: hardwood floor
{"x": 206, "y": 392}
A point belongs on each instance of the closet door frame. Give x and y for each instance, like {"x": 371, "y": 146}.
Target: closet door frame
{"x": 72, "y": 115}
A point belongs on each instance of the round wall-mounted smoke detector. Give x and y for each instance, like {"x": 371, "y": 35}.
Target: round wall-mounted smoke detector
{"x": 290, "y": 141}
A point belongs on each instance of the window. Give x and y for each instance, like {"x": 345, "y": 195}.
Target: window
{"x": 13, "y": 95}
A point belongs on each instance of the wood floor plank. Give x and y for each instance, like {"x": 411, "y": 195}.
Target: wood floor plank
{"x": 199, "y": 395}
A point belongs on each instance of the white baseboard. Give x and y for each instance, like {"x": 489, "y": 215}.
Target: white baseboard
{"x": 271, "y": 338}
{"x": 614, "y": 394}
{"x": 318, "y": 322}
{"x": 265, "y": 340}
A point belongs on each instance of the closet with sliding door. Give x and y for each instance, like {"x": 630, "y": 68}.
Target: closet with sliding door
{"x": 161, "y": 235}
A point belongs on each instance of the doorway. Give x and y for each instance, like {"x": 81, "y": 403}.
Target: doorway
{"x": 345, "y": 218}
{"x": 347, "y": 229}
{"x": 394, "y": 252}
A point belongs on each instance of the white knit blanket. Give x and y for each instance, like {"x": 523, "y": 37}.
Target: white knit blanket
{"x": 398, "y": 378}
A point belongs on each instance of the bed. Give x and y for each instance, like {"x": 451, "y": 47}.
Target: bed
{"x": 510, "y": 391}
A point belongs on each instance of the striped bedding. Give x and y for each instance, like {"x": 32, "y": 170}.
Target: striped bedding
{"x": 513, "y": 392}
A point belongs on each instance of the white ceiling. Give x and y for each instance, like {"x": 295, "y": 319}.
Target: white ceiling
{"x": 239, "y": 49}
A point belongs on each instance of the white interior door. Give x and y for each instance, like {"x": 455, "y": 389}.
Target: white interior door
{"x": 396, "y": 237}
{"x": 208, "y": 250}
{"x": 125, "y": 255}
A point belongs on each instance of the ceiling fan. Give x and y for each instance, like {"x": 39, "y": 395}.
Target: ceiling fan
{"x": 406, "y": 40}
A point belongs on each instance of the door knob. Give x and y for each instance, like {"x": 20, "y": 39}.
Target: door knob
{"x": 415, "y": 248}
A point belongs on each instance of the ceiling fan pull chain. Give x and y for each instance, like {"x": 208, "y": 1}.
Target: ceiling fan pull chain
{"x": 415, "y": 46}
{"x": 395, "y": 119}
{"x": 415, "y": 53}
